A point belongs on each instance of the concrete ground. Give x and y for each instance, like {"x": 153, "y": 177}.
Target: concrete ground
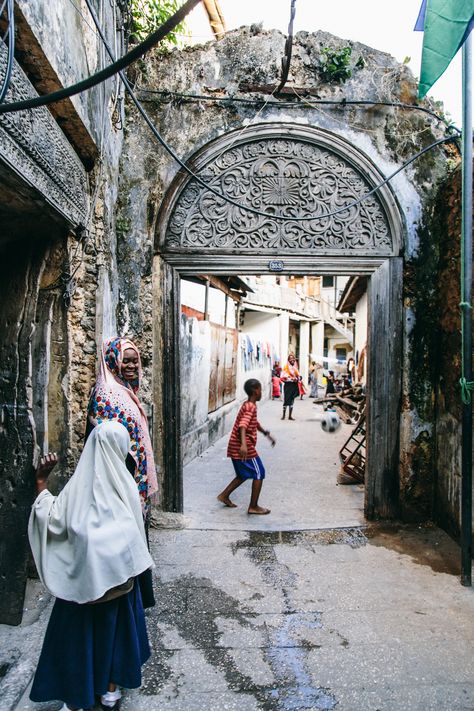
{"x": 253, "y": 614}
{"x": 300, "y": 488}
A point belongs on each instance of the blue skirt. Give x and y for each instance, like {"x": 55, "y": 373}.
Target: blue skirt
{"x": 86, "y": 647}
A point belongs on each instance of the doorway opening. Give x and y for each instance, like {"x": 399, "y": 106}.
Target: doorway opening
{"x": 293, "y": 201}
{"x": 235, "y": 328}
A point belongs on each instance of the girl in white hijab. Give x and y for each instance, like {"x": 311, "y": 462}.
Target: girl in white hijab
{"x": 89, "y": 544}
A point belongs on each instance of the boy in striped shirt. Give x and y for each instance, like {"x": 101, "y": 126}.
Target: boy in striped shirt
{"x": 242, "y": 450}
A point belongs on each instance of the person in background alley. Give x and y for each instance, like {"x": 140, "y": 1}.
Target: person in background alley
{"x": 242, "y": 450}
{"x": 351, "y": 370}
{"x": 89, "y": 545}
{"x": 313, "y": 379}
{"x": 301, "y": 389}
{"x": 291, "y": 377}
{"x": 330, "y": 383}
{"x": 276, "y": 382}
{"x": 115, "y": 397}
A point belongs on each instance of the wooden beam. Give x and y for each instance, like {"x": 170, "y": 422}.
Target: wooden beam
{"x": 216, "y": 17}
{"x": 221, "y": 285}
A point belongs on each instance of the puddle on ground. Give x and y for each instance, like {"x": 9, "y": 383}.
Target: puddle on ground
{"x": 354, "y": 537}
{"x": 425, "y": 544}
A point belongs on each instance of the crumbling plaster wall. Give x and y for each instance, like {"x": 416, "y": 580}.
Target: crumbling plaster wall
{"x": 59, "y": 294}
{"x": 386, "y": 134}
{"x": 446, "y": 222}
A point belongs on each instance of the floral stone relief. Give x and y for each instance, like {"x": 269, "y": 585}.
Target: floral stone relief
{"x": 290, "y": 177}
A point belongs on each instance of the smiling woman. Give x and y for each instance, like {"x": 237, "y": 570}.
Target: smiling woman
{"x": 115, "y": 397}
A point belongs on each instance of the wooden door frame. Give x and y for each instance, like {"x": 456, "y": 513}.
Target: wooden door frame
{"x": 384, "y": 369}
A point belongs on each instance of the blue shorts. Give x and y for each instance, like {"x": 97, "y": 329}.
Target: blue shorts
{"x": 249, "y": 468}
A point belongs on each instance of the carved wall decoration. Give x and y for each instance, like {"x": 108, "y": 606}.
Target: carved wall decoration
{"x": 33, "y": 145}
{"x": 292, "y": 171}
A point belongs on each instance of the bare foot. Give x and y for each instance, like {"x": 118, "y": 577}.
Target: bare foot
{"x": 258, "y": 510}
{"x": 226, "y": 501}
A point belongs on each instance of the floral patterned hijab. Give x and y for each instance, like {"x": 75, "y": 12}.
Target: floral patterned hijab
{"x": 114, "y": 398}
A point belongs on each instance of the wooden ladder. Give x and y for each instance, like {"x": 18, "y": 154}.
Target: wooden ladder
{"x": 353, "y": 452}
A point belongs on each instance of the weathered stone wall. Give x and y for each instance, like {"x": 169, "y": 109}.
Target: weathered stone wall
{"x": 446, "y": 223}
{"x": 57, "y": 248}
{"x": 387, "y": 135}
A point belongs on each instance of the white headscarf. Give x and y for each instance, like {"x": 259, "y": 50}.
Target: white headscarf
{"x": 91, "y": 537}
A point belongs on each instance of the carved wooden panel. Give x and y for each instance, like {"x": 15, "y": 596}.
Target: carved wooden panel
{"x": 288, "y": 175}
{"x": 34, "y": 146}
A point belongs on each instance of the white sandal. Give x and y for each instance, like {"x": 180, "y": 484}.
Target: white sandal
{"x": 110, "y": 699}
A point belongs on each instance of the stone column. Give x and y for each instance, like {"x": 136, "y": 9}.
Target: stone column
{"x": 317, "y": 343}
{"x": 284, "y": 337}
{"x": 304, "y": 351}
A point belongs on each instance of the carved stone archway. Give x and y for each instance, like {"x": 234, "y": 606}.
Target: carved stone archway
{"x": 282, "y": 170}
{"x": 316, "y": 180}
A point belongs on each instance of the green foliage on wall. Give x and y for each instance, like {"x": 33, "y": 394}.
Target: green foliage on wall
{"x": 147, "y": 15}
{"x": 335, "y": 64}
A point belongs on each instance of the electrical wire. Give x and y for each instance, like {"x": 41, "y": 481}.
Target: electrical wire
{"x": 10, "y": 33}
{"x": 301, "y": 97}
{"x": 125, "y": 61}
{"x": 218, "y": 194}
{"x": 155, "y": 37}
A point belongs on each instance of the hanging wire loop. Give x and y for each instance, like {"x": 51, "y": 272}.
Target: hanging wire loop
{"x": 286, "y": 59}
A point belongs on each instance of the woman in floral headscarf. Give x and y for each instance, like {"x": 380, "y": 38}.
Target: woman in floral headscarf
{"x": 114, "y": 397}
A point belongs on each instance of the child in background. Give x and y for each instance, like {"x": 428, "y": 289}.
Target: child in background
{"x": 276, "y": 382}
{"x": 242, "y": 450}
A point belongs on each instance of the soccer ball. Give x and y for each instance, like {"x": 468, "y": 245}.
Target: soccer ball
{"x": 330, "y": 421}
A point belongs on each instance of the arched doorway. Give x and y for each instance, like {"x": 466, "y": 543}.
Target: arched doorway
{"x": 315, "y": 180}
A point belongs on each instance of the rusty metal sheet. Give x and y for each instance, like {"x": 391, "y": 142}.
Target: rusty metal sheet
{"x": 223, "y": 375}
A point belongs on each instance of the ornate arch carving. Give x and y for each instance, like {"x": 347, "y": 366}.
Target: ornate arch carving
{"x": 282, "y": 169}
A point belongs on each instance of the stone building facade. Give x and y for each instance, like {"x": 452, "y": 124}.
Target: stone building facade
{"x": 84, "y": 206}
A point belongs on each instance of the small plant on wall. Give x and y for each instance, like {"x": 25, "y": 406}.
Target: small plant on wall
{"x": 334, "y": 64}
{"x": 147, "y": 15}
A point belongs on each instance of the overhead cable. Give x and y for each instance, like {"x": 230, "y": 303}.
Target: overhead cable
{"x": 153, "y": 39}
{"x": 299, "y": 98}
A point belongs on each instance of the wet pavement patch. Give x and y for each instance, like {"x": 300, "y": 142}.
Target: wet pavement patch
{"x": 355, "y": 537}
{"x": 425, "y": 544}
{"x": 192, "y": 606}
{"x": 4, "y": 667}
{"x": 192, "y": 619}
{"x": 157, "y": 671}
{"x": 289, "y": 658}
